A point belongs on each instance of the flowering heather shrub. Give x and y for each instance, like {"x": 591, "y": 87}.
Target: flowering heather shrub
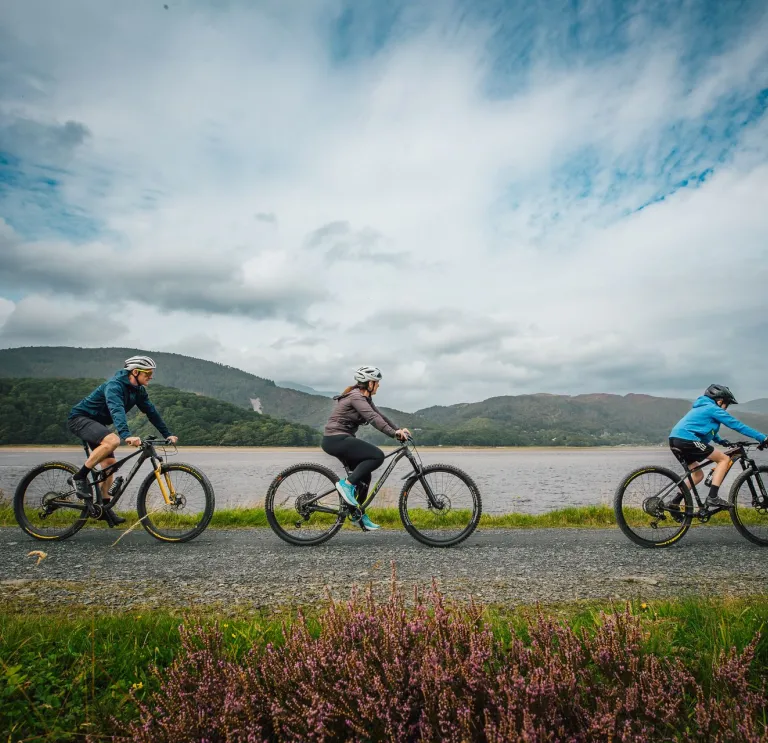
{"x": 379, "y": 671}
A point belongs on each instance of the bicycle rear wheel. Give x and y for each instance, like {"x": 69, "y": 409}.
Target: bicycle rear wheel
{"x": 453, "y": 516}
{"x": 39, "y": 503}
{"x": 292, "y": 500}
{"x": 643, "y": 507}
{"x": 750, "y": 511}
{"x": 191, "y": 505}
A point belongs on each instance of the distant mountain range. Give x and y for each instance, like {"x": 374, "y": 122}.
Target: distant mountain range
{"x": 34, "y": 411}
{"x": 540, "y": 419}
{"x": 304, "y": 388}
{"x": 755, "y": 406}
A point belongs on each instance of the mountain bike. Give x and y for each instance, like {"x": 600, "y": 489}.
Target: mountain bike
{"x": 439, "y": 504}
{"x": 175, "y": 501}
{"x": 654, "y": 506}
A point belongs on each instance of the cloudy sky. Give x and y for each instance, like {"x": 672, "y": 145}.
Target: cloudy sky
{"x": 481, "y": 197}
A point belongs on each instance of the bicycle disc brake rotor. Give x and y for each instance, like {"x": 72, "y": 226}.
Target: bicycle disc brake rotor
{"x": 443, "y": 503}
{"x": 179, "y": 501}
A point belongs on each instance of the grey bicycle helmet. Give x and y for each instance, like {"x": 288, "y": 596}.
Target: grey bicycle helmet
{"x": 721, "y": 392}
{"x": 368, "y": 374}
{"x": 142, "y": 363}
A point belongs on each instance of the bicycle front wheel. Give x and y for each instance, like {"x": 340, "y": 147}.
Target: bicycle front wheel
{"x": 651, "y": 508}
{"x": 180, "y": 508}
{"x": 302, "y": 505}
{"x": 440, "y": 507}
{"x": 749, "y": 495}
{"x": 45, "y": 504}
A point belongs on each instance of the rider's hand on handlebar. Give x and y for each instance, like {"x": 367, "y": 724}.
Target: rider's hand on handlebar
{"x": 133, "y": 441}
{"x": 763, "y": 444}
{"x": 403, "y": 434}
{"x": 172, "y": 439}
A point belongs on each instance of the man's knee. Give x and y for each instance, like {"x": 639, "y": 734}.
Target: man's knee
{"x": 111, "y": 441}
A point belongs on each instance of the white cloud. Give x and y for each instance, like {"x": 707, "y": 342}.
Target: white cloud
{"x": 296, "y": 216}
{"x": 53, "y": 321}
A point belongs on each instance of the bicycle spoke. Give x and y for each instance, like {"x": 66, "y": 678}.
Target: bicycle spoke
{"x": 188, "y": 510}
{"x": 40, "y": 501}
{"x": 442, "y": 507}
{"x": 293, "y": 501}
{"x": 750, "y": 515}
{"x": 650, "y": 507}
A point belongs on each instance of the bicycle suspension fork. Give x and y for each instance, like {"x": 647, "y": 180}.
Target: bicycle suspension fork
{"x": 164, "y": 481}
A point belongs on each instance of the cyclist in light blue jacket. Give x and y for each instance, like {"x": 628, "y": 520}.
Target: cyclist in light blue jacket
{"x": 690, "y": 438}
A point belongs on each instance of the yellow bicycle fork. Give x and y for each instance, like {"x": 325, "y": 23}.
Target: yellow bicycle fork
{"x": 169, "y": 494}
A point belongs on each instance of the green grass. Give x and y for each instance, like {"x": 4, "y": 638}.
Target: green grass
{"x": 694, "y": 629}
{"x": 577, "y": 517}
{"x": 66, "y": 674}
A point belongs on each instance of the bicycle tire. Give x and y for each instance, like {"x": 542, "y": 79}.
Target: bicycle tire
{"x": 19, "y": 499}
{"x": 476, "y": 510}
{"x": 157, "y": 530}
{"x": 738, "y": 516}
{"x": 667, "y": 539}
{"x": 274, "y": 519}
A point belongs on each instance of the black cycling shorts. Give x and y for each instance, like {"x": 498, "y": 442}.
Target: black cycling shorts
{"x": 690, "y": 452}
{"x": 87, "y": 429}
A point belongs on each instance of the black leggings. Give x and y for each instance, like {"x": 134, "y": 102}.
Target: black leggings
{"x": 359, "y": 456}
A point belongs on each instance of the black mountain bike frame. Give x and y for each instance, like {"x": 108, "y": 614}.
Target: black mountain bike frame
{"x": 145, "y": 451}
{"x": 404, "y": 450}
{"x": 737, "y": 454}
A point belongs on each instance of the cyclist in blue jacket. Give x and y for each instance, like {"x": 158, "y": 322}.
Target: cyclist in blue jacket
{"x": 109, "y": 403}
{"x": 690, "y": 438}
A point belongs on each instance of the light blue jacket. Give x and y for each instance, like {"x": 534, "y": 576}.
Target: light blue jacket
{"x": 703, "y": 420}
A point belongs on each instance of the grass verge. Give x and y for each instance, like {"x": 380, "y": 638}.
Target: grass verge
{"x": 588, "y": 517}
{"x": 65, "y": 675}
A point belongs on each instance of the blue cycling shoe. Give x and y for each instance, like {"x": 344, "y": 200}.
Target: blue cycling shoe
{"x": 347, "y": 492}
{"x": 365, "y": 523}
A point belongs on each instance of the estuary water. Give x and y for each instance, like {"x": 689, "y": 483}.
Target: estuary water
{"x": 524, "y": 480}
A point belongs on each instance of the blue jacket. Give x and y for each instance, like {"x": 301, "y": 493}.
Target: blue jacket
{"x": 109, "y": 403}
{"x": 703, "y": 420}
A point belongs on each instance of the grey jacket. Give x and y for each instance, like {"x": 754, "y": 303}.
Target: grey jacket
{"x": 354, "y": 410}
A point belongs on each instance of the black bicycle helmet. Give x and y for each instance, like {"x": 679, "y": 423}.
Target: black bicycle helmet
{"x": 721, "y": 392}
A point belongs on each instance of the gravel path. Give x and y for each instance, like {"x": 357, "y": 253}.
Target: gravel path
{"x": 247, "y": 568}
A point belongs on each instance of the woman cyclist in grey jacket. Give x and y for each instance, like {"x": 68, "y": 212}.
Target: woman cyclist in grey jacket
{"x": 354, "y": 408}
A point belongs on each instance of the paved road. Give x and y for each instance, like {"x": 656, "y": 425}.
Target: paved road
{"x": 253, "y": 568}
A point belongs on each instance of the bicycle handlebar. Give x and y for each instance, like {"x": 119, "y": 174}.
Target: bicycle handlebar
{"x": 736, "y": 445}
{"x": 154, "y": 442}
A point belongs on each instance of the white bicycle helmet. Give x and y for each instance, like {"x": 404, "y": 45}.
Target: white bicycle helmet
{"x": 368, "y": 374}
{"x": 142, "y": 363}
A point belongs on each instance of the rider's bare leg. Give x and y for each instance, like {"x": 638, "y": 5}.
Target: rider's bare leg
{"x": 103, "y": 451}
{"x": 723, "y": 465}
